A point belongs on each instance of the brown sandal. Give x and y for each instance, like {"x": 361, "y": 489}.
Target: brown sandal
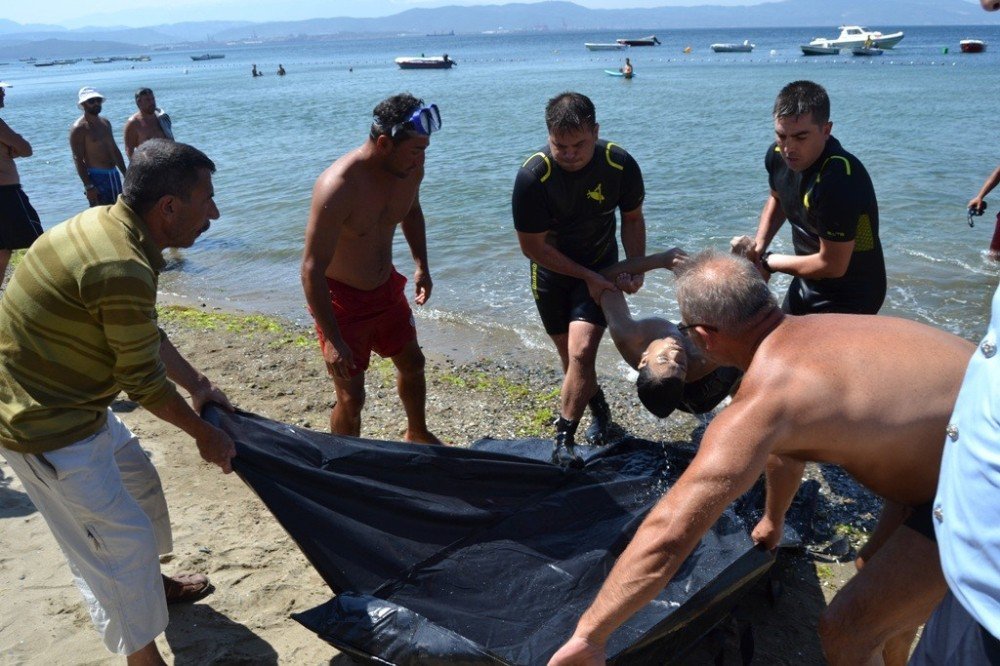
{"x": 185, "y": 588}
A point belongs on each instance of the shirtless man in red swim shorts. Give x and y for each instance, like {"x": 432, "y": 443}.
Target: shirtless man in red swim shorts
{"x": 352, "y": 288}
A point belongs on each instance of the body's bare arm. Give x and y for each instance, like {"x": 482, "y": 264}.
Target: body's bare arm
{"x": 119, "y": 159}
{"x": 536, "y": 248}
{"x": 415, "y": 233}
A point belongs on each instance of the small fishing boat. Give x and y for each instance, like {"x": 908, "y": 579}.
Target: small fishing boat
{"x": 208, "y": 56}
{"x": 100, "y": 61}
{"x": 972, "y": 45}
{"x": 866, "y": 51}
{"x": 818, "y": 50}
{"x": 605, "y": 46}
{"x": 433, "y": 62}
{"x": 639, "y": 41}
{"x": 745, "y": 47}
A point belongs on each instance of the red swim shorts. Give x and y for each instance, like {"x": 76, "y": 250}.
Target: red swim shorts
{"x": 379, "y": 320}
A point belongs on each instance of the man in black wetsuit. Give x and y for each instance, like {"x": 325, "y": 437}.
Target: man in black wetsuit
{"x": 564, "y": 203}
{"x": 825, "y": 192}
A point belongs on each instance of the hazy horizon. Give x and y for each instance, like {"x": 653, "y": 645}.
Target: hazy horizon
{"x": 142, "y": 13}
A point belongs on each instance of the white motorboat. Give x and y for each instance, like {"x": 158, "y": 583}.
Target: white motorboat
{"x": 745, "y": 47}
{"x": 605, "y": 46}
{"x": 855, "y": 35}
{"x": 817, "y": 50}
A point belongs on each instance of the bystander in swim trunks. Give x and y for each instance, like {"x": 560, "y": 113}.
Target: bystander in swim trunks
{"x": 19, "y": 225}
{"x": 109, "y": 184}
{"x": 378, "y": 320}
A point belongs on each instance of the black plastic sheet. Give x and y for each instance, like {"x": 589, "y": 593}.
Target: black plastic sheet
{"x": 486, "y": 555}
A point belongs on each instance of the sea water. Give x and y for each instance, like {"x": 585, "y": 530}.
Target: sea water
{"x": 921, "y": 120}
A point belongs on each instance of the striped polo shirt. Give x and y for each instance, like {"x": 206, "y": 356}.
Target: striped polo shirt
{"x": 78, "y": 325}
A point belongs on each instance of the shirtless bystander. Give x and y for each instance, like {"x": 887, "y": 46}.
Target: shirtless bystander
{"x": 352, "y": 288}
{"x": 146, "y": 123}
{"x": 872, "y": 394}
{"x": 95, "y": 152}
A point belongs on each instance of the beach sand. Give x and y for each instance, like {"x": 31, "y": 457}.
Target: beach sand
{"x": 222, "y": 529}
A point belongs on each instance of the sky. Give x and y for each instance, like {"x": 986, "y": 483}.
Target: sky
{"x": 137, "y": 13}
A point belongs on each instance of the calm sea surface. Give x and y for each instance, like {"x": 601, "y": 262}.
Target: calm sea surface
{"x": 922, "y": 121}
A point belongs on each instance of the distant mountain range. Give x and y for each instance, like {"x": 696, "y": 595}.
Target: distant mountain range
{"x": 18, "y": 40}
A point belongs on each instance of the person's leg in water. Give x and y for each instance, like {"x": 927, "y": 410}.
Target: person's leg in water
{"x": 411, "y": 384}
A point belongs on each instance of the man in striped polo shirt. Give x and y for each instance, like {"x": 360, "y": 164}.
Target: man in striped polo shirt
{"x": 77, "y": 326}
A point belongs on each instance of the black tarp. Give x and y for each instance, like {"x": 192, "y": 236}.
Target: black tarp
{"x": 482, "y": 555}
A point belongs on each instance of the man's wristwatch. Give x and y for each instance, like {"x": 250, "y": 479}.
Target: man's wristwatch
{"x": 763, "y": 261}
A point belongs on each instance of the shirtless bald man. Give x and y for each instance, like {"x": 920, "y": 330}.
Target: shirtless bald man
{"x": 95, "y": 152}
{"x": 352, "y": 288}
{"x": 875, "y": 400}
{"x": 146, "y": 123}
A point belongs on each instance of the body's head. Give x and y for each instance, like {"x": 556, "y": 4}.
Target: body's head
{"x": 145, "y": 101}
{"x": 990, "y": 5}
{"x": 401, "y": 131}
{"x": 722, "y": 295}
{"x": 662, "y": 373}
{"x": 169, "y": 185}
{"x": 572, "y": 124}
{"x": 802, "y": 123}
{"x": 90, "y": 101}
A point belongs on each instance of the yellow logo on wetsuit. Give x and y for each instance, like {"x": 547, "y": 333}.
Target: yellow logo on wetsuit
{"x": 596, "y": 194}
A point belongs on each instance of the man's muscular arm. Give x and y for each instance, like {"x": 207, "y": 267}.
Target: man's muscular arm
{"x": 415, "y": 233}
{"x": 331, "y": 204}
{"x": 731, "y": 457}
{"x": 17, "y": 145}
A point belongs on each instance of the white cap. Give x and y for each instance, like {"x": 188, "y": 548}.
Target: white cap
{"x": 86, "y": 93}
{"x": 4, "y": 84}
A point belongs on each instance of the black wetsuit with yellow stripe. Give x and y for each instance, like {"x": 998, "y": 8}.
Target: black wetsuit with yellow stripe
{"x": 833, "y": 199}
{"x": 577, "y": 210}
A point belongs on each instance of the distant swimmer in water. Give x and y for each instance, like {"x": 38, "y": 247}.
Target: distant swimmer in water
{"x": 627, "y": 69}
{"x": 254, "y": 72}
{"x": 281, "y": 70}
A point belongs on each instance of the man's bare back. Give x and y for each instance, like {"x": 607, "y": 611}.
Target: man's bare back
{"x": 879, "y": 411}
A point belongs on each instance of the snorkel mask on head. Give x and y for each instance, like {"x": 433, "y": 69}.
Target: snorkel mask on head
{"x": 423, "y": 121}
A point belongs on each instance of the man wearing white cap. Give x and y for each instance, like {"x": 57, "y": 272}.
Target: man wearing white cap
{"x": 19, "y": 226}
{"x": 95, "y": 152}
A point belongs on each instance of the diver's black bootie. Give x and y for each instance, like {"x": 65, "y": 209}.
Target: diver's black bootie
{"x": 564, "y": 445}
{"x": 600, "y": 422}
